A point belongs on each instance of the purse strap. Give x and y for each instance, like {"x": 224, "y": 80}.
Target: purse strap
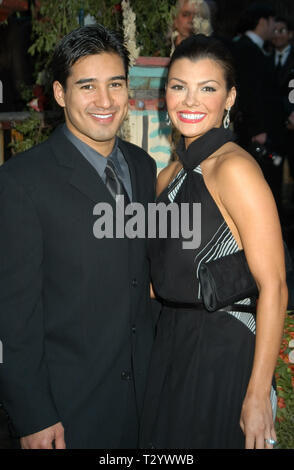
{"x": 239, "y": 308}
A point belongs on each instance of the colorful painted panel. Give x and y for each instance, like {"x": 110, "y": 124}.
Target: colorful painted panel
{"x": 149, "y": 126}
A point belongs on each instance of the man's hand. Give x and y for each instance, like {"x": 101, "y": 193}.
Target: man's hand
{"x": 260, "y": 138}
{"x": 44, "y": 439}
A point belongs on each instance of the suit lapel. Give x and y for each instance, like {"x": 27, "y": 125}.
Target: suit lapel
{"x": 82, "y": 176}
{"x": 130, "y": 157}
{"x": 86, "y": 180}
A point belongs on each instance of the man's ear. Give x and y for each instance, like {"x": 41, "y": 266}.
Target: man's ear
{"x": 59, "y": 93}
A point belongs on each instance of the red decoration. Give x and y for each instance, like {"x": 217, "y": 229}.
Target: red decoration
{"x": 117, "y": 7}
{"x": 39, "y": 102}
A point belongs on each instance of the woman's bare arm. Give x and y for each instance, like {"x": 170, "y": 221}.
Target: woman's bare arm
{"x": 249, "y": 202}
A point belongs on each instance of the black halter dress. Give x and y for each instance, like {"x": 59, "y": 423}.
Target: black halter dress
{"x": 201, "y": 362}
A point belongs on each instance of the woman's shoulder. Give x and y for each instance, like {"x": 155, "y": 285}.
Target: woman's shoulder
{"x": 236, "y": 172}
{"x": 167, "y": 175}
{"x": 234, "y": 158}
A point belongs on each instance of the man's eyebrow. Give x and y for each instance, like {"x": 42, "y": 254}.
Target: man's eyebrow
{"x": 118, "y": 77}
{"x": 91, "y": 80}
{"x": 85, "y": 80}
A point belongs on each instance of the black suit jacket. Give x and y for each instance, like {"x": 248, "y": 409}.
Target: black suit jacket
{"x": 258, "y": 102}
{"x": 75, "y": 319}
{"x": 283, "y": 77}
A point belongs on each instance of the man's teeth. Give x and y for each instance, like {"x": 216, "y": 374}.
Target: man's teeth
{"x": 102, "y": 116}
{"x": 192, "y": 116}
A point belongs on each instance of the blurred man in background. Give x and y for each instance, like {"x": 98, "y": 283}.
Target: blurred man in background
{"x": 283, "y": 60}
{"x": 259, "y": 123}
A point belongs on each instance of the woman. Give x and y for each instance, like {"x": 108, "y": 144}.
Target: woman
{"x": 210, "y": 382}
{"x": 184, "y": 23}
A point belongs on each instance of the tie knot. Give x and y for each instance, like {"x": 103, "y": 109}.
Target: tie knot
{"x": 110, "y": 169}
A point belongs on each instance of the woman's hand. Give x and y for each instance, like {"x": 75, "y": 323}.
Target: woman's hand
{"x": 257, "y": 422}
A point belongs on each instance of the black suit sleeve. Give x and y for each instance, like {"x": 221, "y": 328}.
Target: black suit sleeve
{"x": 24, "y": 384}
{"x": 252, "y": 82}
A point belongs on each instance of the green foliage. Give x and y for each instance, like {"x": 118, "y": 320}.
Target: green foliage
{"x": 285, "y": 382}
{"x": 57, "y": 18}
{"x": 33, "y": 132}
{"x": 152, "y": 20}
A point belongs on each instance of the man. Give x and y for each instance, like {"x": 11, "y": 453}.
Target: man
{"x": 74, "y": 309}
{"x": 259, "y": 117}
{"x": 283, "y": 59}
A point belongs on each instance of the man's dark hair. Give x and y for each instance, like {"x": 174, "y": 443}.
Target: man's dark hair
{"x": 286, "y": 21}
{"x": 82, "y": 42}
{"x": 251, "y": 15}
{"x": 199, "y": 46}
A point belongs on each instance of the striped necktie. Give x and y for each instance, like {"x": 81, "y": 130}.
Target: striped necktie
{"x": 113, "y": 183}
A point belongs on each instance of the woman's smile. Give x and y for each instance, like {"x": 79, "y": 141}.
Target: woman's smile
{"x": 190, "y": 117}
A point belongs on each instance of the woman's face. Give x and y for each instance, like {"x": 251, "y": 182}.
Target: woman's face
{"x": 184, "y": 20}
{"x": 197, "y": 96}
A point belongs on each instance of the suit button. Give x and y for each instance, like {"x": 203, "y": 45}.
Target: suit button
{"x": 125, "y": 375}
{"x": 133, "y": 329}
{"x": 134, "y": 282}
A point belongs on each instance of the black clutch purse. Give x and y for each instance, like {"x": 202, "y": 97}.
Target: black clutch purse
{"x": 228, "y": 279}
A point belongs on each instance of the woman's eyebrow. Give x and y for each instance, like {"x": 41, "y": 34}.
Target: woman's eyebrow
{"x": 199, "y": 83}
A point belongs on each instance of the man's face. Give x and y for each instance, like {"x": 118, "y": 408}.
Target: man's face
{"x": 270, "y": 26}
{"x": 282, "y": 35}
{"x": 95, "y": 101}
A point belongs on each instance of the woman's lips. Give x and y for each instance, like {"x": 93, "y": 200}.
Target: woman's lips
{"x": 191, "y": 118}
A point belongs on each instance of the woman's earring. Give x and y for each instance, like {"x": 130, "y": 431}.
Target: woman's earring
{"x": 167, "y": 120}
{"x": 227, "y": 119}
